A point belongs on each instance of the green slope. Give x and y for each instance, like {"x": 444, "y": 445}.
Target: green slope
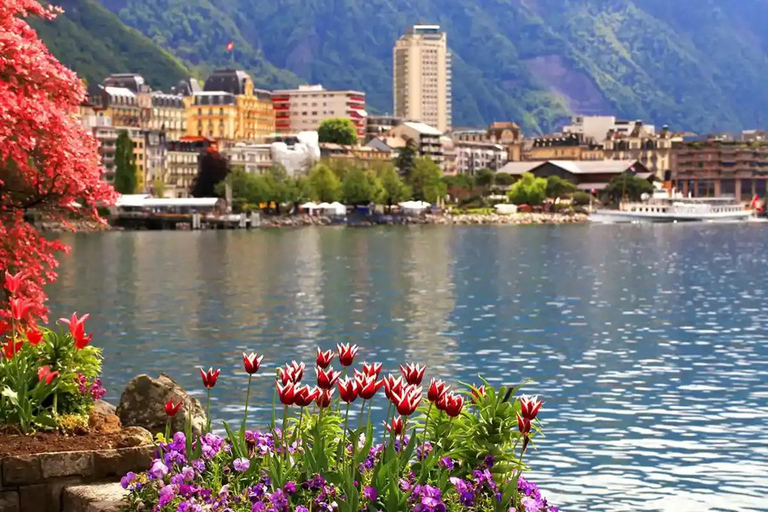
{"x": 695, "y": 64}
{"x": 94, "y": 42}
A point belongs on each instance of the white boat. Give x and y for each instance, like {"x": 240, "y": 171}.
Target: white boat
{"x": 665, "y": 207}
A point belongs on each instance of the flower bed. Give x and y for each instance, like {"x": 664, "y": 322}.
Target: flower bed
{"x": 446, "y": 450}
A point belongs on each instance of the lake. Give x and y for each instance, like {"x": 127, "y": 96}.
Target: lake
{"x": 648, "y": 344}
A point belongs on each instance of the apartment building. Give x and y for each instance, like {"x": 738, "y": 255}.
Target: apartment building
{"x": 303, "y": 109}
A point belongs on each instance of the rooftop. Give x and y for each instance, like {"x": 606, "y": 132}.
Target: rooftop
{"x": 423, "y": 129}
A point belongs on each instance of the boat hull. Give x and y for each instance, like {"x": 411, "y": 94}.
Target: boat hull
{"x": 622, "y": 217}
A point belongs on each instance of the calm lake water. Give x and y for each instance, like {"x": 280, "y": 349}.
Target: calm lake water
{"x": 648, "y": 344}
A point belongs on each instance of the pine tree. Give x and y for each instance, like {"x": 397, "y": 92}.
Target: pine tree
{"x": 125, "y": 165}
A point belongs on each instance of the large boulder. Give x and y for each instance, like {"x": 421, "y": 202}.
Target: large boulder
{"x": 142, "y": 404}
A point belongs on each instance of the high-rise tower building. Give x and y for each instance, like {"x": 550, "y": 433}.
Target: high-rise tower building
{"x": 422, "y": 77}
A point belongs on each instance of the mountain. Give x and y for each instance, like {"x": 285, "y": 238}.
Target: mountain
{"x": 94, "y": 42}
{"x": 693, "y": 64}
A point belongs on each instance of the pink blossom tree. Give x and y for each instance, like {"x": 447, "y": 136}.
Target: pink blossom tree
{"x": 48, "y": 162}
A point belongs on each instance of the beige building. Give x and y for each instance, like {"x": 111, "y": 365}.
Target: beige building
{"x": 303, "y": 109}
{"x": 505, "y": 133}
{"x": 169, "y": 114}
{"x": 428, "y": 140}
{"x": 422, "y": 77}
{"x": 641, "y": 143}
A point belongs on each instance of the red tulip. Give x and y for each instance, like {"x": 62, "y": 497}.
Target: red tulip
{"x": 372, "y": 369}
{"x": 408, "y": 401}
{"x": 442, "y": 402}
{"x": 347, "y": 353}
{"x": 286, "y": 392}
{"x": 77, "y": 329}
{"x": 252, "y": 362}
{"x": 210, "y": 377}
{"x": 393, "y": 385}
{"x": 477, "y": 394}
{"x": 396, "y": 426}
{"x": 305, "y": 396}
{"x": 348, "y": 390}
{"x": 454, "y": 404}
{"x": 10, "y": 348}
{"x": 171, "y": 409}
{"x": 524, "y": 424}
{"x": 323, "y": 399}
{"x": 20, "y": 307}
{"x": 413, "y": 373}
{"x": 4, "y": 326}
{"x": 34, "y": 336}
{"x": 326, "y": 379}
{"x": 529, "y": 407}
{"x": 13, "y": 282}
{"x": 44, "y": 373}
{"x": 324, "y": 359}
{"x": 292, "y": 372}
{"x": 437, "y": 388}
{"x": 368, "y": 387}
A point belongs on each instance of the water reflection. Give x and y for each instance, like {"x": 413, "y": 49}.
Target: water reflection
{"x": 647, "y": 343}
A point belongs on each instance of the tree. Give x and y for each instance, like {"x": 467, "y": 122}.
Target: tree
{"x": 338, "y": 130}
{"x": 406, "y": 158}
{"x": 326, "y": 186}
{"x": 502, "y": 179}
{"x": 47, "y": 159}
{"x": 558, "y": 187}
{"x": 158, "y": 187}
{"x": 626, "y": 186}
{"x": 361, "y": 187}
{"x": 484, "y": 178}
{"x": 426, "y": 181}
{"x": 214, "y": 169}
{"x": 248, "y": 190}
{"x": 394, "y": 190}
{"x": 528, "y": 190}
{"x": 125, "y": 165}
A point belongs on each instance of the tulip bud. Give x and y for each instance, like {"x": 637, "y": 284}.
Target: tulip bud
{"x": 529, "y": 407}
{"x": 347, "y": 353}
{"x": 396, "y": 426}
{"x": 372, "y": 369}
{"x": 210, "y": 377}
{"x": 252, "y": 362}
{"x": 170, "y": 409}
{"x": 305, "y": 396}
{"x": 13, "y": 282}
{"x": 324, "y": 359}
{"x": 413, "y": 373}
{"x": 326, "y": 379}
{"x": 454, "y": 404}
{"x": 524, "y": 425}
{"x": 437, "y": 388}
{"x": 348, "y": 390}
{"x": 323, "y": 399}
{"x": 286, "y": 393}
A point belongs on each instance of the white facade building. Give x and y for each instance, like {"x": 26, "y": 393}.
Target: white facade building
{"x": 597, "y": 127}
{"x": 303, "y": 109}
{"x": 253, "y": 158}
{"x": 472, "y": 157}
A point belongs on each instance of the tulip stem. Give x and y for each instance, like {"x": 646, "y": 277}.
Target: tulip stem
{"x": 282, "y": 433}
{"x": 297, "y": 428}
{"x": 384, "y": 433}
{"x": 368, "y": 420}
{"x": 362, "y": 413}
{"x": 274, "y": 407}
{"x": 344, "y": 437}
{"x": 424, "y": 443}
{"x": 247, "y": 399}
{"x": 208, "y": 412}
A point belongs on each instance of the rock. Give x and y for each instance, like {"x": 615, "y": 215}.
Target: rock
{"x": 142, "y": 404}
{"x": 103, "y": 407}
{"x": 103, "y": 423}
{"x": 134, "y": 436}
{"x": 94, "y": 498}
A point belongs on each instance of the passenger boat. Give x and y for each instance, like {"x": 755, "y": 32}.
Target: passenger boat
{"x": 666, "y": 206}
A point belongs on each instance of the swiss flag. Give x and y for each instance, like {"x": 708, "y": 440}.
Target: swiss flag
{"x": 230, "y": 46}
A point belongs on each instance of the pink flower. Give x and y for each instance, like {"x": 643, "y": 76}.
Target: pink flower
{"x": 77, "y": 329}
{"x": 13, "y": 282}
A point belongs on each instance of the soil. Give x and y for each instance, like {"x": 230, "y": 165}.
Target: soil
{"x": 55, "y": 442}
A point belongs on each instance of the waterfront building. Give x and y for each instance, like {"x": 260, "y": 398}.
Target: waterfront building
{"x": 471, "y": 157}
{"x": 376, "y": 126}
{"x": 652, "y": 149}
{"x": 507, "y": 134}
{"x": 169, "y": 114}
{"x": 563, "y": 146}
{"x": 422, "y": 81}
{"x": 426, "y": 138}
{"x": 365, "y": 157}
{"x": 155, "y": 157}
{"x": 106, "y": 137}
{"x": 586, "y": 175}
{"x": 715, "y": 168}
{"x": 305, "y": 108}
{"x": 121, "y": 105}
{"x": 230, "y": 108}
{"x": 253, "y": 158}
{"x": 184, "y": 162}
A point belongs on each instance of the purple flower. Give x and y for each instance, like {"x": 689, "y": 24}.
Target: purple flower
{"x": 290, "y": 488}
{"x": 279, "y": 500}
{"x": 465, "y": 490}
{"x": 212, "y": 445}
{"x": 158, "y": 469}
{"x": 127, "y": 479}
{"x": 258, "y": 507}
{"x": 370, "y": 493}
{"x": 422, "y": 451}
{"x": 186, "y": 506}
{"x": 447, "y": 463}
{"x": 241, "y": 464}
{"x": 166, "y": 495}
{"x": 488, "y": 461}
{"x": 302, "y": 508}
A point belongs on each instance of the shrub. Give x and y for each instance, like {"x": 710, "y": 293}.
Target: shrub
{"x": 452, "y": 450}
{"x": 528, "y": 190}
{"x": 582, "y": 198}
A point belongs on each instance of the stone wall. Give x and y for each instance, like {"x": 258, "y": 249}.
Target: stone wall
{"x": 34, "y": 483}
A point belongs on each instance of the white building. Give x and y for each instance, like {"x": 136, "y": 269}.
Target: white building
{"x": 303, "y": 109}
{"x": 597, "y": 127}
{"x": 253, "y": 158}
{"x": 472, "y": 157}
{"x": 422, "y": 77}
{"x": 428, "y": 140}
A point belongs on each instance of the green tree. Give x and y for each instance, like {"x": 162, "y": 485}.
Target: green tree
{"x": 426, "y": 181}
{"x": 326, "y": 186}
{"x": 626, "y": 186}
{"x": 393, "y": 188}
{"x": 528, "y": 190}
{"x": 125, "y": 165}
{"x": 158, "y": 187}
{"x": 338, "y": 130}
{"x": 248, "y": 190}
{"x": 406, "y": 158}
{"x": 361, "y": 187}
{"x": 484, "y": 178}
{"x": 558, "y": 187}
{"x": 503, "y": 179}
